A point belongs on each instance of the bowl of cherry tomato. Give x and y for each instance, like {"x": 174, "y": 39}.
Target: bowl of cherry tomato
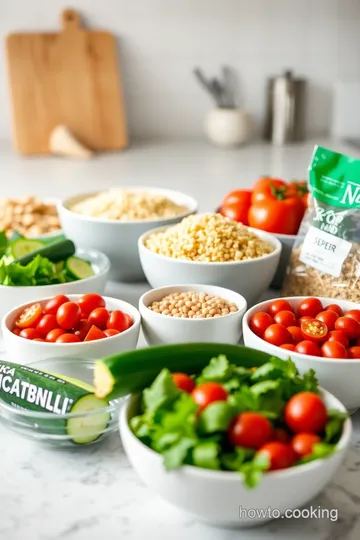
{"x": 87, "y": 326}
{"x": 318, "y": 333}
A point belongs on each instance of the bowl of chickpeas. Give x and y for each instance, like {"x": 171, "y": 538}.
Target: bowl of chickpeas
{"x": 213, "y": 250}
{"x": 192, "y": 313}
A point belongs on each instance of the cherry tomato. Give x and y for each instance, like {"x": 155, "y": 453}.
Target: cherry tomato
{"x": 82, "y": 329}
{"x": 38, "y": 339}
{"x": 29, "y": 317}
{"x": 207, "y": 393}
{"x": 333, "y": 349}
{"x": 236, "y": 206}
{"x": 29, "y": 333}
{"x": 119, "y": 320}
{"x": 46, "y": 324}
{"x": 295, "y": 333}
{"x": 259, "y": 323}
{"x": 281, "y": 435}
{"x": 309, "y": 307}
{"x": 306, "y": 411}
{"x": 183, "y": 382}
{"x": 109, "y": 332}
{"x": 279, "y": 305}
{"x": 68, "y": 315}
{"x": 303, "y": 443}
{"x": 334, "y": 307}
{"x": 16, "y": 331}
{"x": 353, "y": 314}
{"x": 338, "y": 335}
{"x": 303, "y": 319}
{"x": 288, "y": 346}
{"x": 249, "y": 429}
{"x": 89, "y": 302}
{"x": 308, "y": 347}
{"x": 354, "y": 352}
{"x": 99, "y": 317}
{"x": 328, "y": 317}
{"x": 53, "y": 304}
{"x": 54, "y": 334}
{"x": 281, "y": 455}
{"x": 349, "y": 326}
{"x": 94, "y": 333}
{"x": 68, "y": 338}
{"x": 277, "y": 334}
{"x": 285, "y": 317}
{"x": 314, "y": 330}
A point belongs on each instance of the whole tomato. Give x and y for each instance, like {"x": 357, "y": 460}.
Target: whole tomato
{"x": 277, "y": 215}
{"x": 268, "y": 188}
{"x": 236, "y": 205}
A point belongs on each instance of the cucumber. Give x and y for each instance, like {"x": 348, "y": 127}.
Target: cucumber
{"x": 55, "y": 252}
{"x": 23, "y": 246}
{"x": 132, "y": 371}
{"x": 78, "y": 268}
{"x": 24, "y": 387}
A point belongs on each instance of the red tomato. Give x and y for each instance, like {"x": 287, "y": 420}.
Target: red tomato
{"x": 259, "y": 323}
{"x": 328, "y": 317}
{"x": 29, "y": 317}
{"x": 68, "y": 315}
{"x": 338, "y": 335}
{"x": 295, "y": 333}
{"x": 333, "y": 349}
{"x": 314, "y": 330}
{"x": 38, "y": 339}
{"x": 82, "y": 329}
{"x": 29, "y": 333}
{"x": 279, "y": 305}
{"x": 68, "y": 338}
{"x": 270, "y": 188}
{"x": 308, "y": 347}
{"x": 119, "y": 320}
{"x": 238, "y": 196}
{"x": 99, "y": 317}
{"x": 281, "y": 455}
{"x": 285, "y": 317}
{"x": 46, "y": 324}
{"x": 236, "y": 206}
{"x": 53, "y": 304}
{"x": 54, "y": 334}
{"x": 89, "y": 302}
{"x": 349, "y": 326}
{"x": 277, "y": 334}
{"x": 303, "y": 443}
{"x": 306, "y": 412}
{"x": 277, "y": 216}
{"x": 207, "y": 393}
{"x": 353, "y": 314}
{"x": 94, "y": 334}
{"x": 110, "y": 332}
{"x": 16, "y": 331}
{"x": 305, "y": 318}
{"x": 334, "y": 307}
{"x": 281, "y": 435}
{"x": 183, "y": 382}
{"x": 354, "y": 352}
{"x": 249, "y": 429}
{"x": 288, "y": 346}
{"x": 309, "y": 307}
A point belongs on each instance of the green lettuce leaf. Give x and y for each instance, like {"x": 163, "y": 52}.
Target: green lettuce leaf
{"x": 216, "y": 417}
{"x": 206, "y": 455}
{"x": 163, "y": 390}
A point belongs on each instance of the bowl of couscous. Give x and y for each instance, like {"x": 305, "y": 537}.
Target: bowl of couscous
{"x": 113, "y": 220}
{"x": 213, "y": 250}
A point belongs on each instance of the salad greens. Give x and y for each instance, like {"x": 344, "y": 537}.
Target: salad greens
{"x": 170, "y": 422}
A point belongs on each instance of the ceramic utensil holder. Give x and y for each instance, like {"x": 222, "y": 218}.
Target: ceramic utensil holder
{"x": 227, "y": 127}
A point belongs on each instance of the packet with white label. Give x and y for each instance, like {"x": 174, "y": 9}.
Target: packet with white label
{"x": 325, "y": 260}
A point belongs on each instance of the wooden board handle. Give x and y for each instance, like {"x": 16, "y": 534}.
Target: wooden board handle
{"x": 70, "y": 19}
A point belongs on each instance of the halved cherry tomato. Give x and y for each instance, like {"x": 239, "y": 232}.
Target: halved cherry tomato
{"x": 68, "y": 338}
{"x": 354, "y": 352}
{"x": 29, "y": 333}
{"x": 280, "y": 455}
{"x": 279, "y": 305}
{"x": 308, "y": 347}
{"x": 29, "y": 317}
{"x": 53, "y": 304}
{"x": 250, "y": 430}
{"x": 281, "y": 435}
{"x": 89, "y": 302}
{"x": 236, "y": 206}
{"x": 259, "y": 323}
{"x": 82, "y": 329}
{"x": 277, "y": 334}
{"x": 109, "y": 332}
{"x": 338, "y": 335}
{"x": 47, "y": 323}
{"x": 295, "y": 333}
{"x": 349, "y": 326}
{"x": 309, "y": 307}
{"x": 119, "y": 320}
{"x": 285, "y": 317}
{"x": 303, "y": 443}
{"x": 353, "y": 314}
{"x": 306, "y": 411}
{"x": 99, "y": 317}
{"x": 94, "y": 334}
{"x": 288, "y": 346}
{"x": 314, "y": 330}
{"x": 328, "y": 317}
{"x": 333, "y": 349}
{"x": 305, "y": 318}
{"x": 54, "y": 334}
{"x": 68, "y": 315}
{"x": 334, "y": 307}
{"x": 183, "y": 382}
{"x": 207, "y": 393}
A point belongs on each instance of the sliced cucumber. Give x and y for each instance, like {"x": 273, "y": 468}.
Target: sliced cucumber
{"x": 56, "y": 251}
{"x": 23, "y": 246}
{"x": 87, "y": 428}
{"x": 78, "y": 268}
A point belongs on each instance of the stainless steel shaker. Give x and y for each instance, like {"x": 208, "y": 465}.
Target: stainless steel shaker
{"x": 285, "y": 113}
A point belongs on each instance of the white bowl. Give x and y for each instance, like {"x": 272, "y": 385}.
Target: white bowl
{"x": 217, "y": 496}
{"x": 118, "y": 239}
{"x": 249, "y": 278}
{"x": 161, "y": 329}
{"x": 339, "y": 376}
{"x": 14, "y": 296}
{"x": 287, "y": 242}
{"x": 24, "y": 351}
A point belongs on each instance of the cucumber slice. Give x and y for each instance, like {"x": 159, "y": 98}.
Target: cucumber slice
{"x": 86, "y": 429}
{"x": 24, "y": 246}
{"x": 78, "y": 268}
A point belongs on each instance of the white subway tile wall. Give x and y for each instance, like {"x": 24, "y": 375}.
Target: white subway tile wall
{"x": 162, "y": 40}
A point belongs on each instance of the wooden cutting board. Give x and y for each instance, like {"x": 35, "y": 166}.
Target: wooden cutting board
{"x": 69, "y": 78}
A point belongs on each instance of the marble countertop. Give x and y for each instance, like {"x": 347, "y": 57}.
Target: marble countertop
{"x": 92, "y": 493}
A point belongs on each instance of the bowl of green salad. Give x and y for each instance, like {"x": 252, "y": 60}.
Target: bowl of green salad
{"x": 38, "y": 268}
{"x": 219, "y": 430}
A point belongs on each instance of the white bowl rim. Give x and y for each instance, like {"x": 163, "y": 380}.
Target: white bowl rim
{"x": 261, "y": 234}
{"x": 295, "y": 355}
{"x": 240, "y": 310}
{"x": 189, "y": 201}
{"x": 136, "y": 315}
{"x": 342, "y": 444}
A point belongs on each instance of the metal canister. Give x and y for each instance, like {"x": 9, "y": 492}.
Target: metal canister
{"x": 285, "y": 115}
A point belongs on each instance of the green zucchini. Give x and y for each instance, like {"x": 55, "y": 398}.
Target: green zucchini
{"x": 24, "y": 387}
{"x": 23, "y": 246}
{"x": 132, "y": 371}
{"x": 56, "y": 251}
{"x": 78, "y": 268}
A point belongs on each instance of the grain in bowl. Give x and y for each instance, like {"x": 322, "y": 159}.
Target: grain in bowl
{"x": 193, "y": 305}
